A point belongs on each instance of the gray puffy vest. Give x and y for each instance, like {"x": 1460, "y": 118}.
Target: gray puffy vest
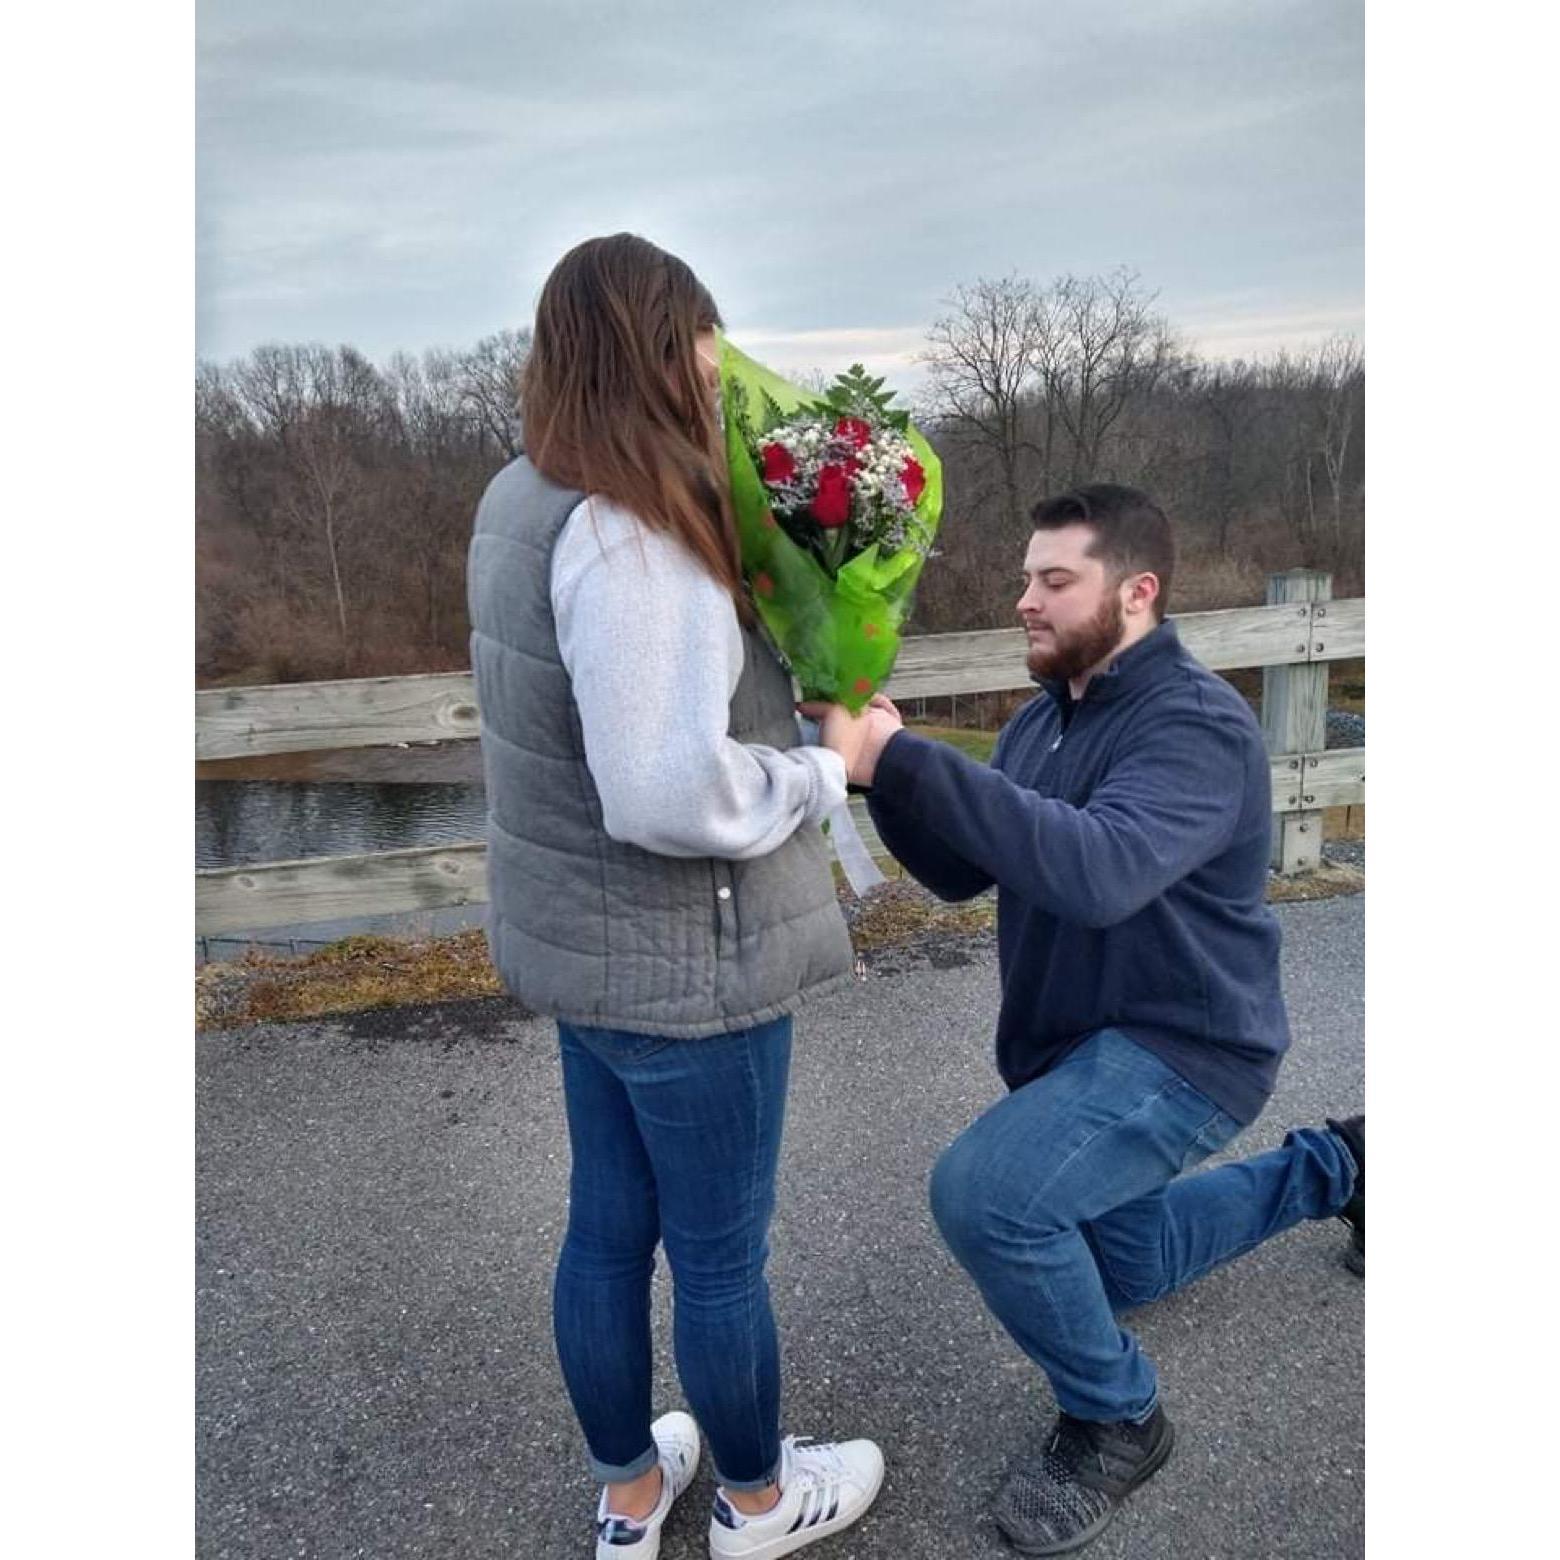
{"x": 584, "y": 927}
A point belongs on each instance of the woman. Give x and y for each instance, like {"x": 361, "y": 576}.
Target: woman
{"x": 659, "y": 885}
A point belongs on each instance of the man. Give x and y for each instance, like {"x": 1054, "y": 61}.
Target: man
{"x": 1125, "y": 819}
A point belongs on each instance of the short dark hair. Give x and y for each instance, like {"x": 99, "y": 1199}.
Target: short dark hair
{"x": 1131, "y": 533}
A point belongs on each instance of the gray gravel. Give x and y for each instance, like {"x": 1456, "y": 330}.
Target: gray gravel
{"x": 1346, "y": 853}
{"x": 379, "y": 1202}
{"x": 1345, "y": 729}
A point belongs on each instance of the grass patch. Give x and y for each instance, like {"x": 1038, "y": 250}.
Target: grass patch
{"x": 345, "y": 977}
{"x": 901, "y": 911}
{"x": 974, "y": 744}
{"x": 1327, "y": 881}
{"x": 359, "y": 973}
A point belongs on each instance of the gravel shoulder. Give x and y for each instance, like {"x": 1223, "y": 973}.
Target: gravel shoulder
{"x": 379, "y": 1201}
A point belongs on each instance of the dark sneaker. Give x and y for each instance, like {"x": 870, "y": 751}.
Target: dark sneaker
{"x": 1084, "y": 1475}
{"x": 1352, "y": 1131}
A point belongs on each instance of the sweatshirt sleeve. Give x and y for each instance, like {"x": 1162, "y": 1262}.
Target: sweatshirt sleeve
{"x": 654, "y": 652}
{"x": 1170, "y": 803}
{"x": 922, "y": 852}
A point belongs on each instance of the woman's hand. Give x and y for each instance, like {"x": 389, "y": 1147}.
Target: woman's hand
{"x": 858, "y": 739}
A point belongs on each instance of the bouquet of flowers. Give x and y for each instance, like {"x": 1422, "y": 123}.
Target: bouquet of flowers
{"x": 837, "y": 500}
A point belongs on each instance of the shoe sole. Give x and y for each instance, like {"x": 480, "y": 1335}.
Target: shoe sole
{"x": 1093, "y": 1531}
{"x": 789, "y": 1543}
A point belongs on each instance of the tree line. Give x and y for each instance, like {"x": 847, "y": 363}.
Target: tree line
{"x": 334, "y": 496}
{"x": 1035, "y": 388}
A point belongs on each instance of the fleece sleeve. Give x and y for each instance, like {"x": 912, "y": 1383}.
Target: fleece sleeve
{"x": 1169, "y": 803}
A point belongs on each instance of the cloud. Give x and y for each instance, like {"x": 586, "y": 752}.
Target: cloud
{"x": 889, "y": 351}
{"x": 1261, "y": 335}
{"x": 367, "y": 171}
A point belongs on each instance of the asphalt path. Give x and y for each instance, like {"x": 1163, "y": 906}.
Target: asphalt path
{"x": 379, "y": 1202}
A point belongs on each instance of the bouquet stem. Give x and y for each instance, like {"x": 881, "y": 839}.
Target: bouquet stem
{"x": 836, "y": 544}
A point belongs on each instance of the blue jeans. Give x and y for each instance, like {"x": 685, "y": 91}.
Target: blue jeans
{"x": 1062, "y": 1203}
{"x": 674, "y": 1141}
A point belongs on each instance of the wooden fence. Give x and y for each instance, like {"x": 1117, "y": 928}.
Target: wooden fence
{"x": 1292, "y": 639}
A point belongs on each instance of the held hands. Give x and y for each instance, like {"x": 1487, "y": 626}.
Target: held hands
{"x": 858, "y": 739}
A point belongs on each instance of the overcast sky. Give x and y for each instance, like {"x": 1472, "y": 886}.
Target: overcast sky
{"x": 402, "y": 174}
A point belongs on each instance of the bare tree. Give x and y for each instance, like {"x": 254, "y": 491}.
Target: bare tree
{"x": 489, "y": 380}
{"x": 334, "y": 498}
{"x": 1226, "y": 396}
{"x": 1339, "y": 389}
{"x": 1319, "y": 401}
{"x": 1097, "y": 346}
{"x": 320, "y": 408}
{"x": 981, "y": 359}
{"x": 436, "y": 484}
{"x": 813, "y": 380}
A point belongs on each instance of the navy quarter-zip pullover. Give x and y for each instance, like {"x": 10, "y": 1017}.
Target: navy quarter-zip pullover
{"x": 1128, "y": 833}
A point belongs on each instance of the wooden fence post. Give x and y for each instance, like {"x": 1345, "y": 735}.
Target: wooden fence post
{"x": 1294, "y": 718}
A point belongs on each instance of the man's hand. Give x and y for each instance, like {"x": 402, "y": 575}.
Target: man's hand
{"x": 858, "y": 739}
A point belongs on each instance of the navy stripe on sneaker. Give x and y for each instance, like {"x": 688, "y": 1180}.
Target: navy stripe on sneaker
{"x": 619, "y": 1530}
{"x": 801, "y": 1513}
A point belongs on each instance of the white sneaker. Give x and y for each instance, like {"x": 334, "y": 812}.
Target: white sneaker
{"x": 824, "y": 1486}
{"x": 639, "y": 1538}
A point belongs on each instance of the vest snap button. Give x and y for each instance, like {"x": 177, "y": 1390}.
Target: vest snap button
{"x": 723, "y": 893}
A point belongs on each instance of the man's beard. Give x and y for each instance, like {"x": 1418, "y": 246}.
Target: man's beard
{"x": 1070, "y": 655}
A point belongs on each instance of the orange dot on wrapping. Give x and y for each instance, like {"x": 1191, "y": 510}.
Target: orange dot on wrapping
{"x": 769, "y": 520}
{"x": 863, "y": 685}
{"x": 871, "y": 630}
{"x": 763, "y": 585}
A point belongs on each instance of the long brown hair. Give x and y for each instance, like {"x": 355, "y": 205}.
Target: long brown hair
{"x": 613, "y": 403}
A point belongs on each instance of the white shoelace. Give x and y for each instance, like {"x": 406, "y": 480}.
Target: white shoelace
{"x": 821, "y": 1459}
{"x": 814, "y": 1466}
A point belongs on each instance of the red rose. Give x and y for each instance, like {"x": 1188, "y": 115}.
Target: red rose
{"x": 855, "y": 430}
{"x": 779, "y": 467}
{"x": 832, "y": 505}
{"x": 913, "y": 478}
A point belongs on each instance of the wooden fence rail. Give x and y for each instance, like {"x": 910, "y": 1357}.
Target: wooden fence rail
{"x": 442, "y": 706}
{"x": 1292, "y": 639}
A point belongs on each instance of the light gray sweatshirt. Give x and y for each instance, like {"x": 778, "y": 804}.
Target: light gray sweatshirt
{"x": 654, "y": 651}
